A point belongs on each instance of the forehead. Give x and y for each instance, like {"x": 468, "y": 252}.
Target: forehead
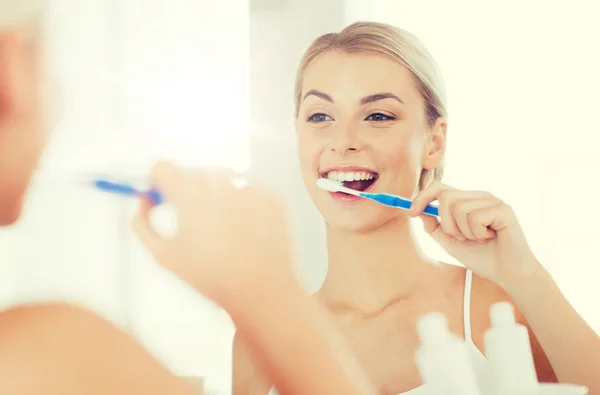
{"x": 353, "y": 76}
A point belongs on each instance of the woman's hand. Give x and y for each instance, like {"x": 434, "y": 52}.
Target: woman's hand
{"x": 230, "y": 241}
{"x": 480, "y": 231}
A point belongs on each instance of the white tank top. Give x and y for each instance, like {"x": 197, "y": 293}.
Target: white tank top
{"x": 479, "y": 361}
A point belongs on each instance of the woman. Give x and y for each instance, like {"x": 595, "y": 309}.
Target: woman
{"x": 371, "y": 111}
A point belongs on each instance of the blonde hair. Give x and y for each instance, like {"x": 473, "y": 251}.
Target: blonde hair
{"x": 15, "y": 13}
{"x": 397, "y": 44}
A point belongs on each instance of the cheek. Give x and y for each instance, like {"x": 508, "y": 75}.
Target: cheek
{"x": 402, "y": 155}
{"x": 308, "y": 155}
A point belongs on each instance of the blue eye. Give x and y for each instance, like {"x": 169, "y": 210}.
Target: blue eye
{"x": 319, "y": 117}
{"x": 379, "y": 117}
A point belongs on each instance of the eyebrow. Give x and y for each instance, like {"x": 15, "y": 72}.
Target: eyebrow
{"x": 379, "y": 96}
{"x": 363, "y": 101}
{"x": 314, "y": 92}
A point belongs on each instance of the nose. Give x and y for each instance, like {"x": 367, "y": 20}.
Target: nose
{"x": 345, "y": 140}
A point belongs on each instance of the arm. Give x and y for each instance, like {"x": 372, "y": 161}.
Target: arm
{"x": 295, "y": 344}
{"x": 248, "y": 378}
{"x": 63, "y": 350}
{"x": 560, "y": 333}
{"x": 245, "y": 263}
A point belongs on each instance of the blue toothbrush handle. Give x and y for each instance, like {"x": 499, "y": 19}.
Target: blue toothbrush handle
{"x": 431, "y": 210}
{"x": 155, "y": 196}
{"x": 127, "y": 190}
{"x": 396, "y": 201}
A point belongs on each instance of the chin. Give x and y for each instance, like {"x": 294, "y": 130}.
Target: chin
{"x": 361, "y": 223}
{"x": 9, "y": 217}
{"x": 10, "y": 211}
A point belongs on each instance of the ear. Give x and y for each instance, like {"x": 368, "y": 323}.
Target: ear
{"x": 13, "y": 76}
{"x": 435, "y": 147}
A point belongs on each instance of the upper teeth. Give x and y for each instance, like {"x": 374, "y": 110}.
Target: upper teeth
{"x": 350, "y": 176}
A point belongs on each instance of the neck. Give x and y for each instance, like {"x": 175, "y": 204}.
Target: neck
{"x": 368, "y": 272}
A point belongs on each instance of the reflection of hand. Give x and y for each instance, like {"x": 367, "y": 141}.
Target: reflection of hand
{"x": 479, "y": 230}
{"x": 233, "y": 246}
{"x": 229, "y": 242}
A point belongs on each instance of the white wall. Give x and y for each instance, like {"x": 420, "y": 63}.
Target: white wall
{"x": 523, "y": 89}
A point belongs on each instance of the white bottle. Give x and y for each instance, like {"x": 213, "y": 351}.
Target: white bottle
{"x": 508, "y": 351}
{"x": 443, "y": 359}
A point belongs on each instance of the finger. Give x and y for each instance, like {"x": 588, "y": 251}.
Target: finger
{"x": 433, "y": 227}
{"x": 430, "y": 224}
{"x": 153, "y": 242}
{"x": 426, "y": 196}
{"x": 214, "y": 193}
{"x": 462, "y": 209}
{"x": 489, "y": 220}
{"x": 448, "y": 198}
{"x": 167, "y": 178}
{"x": 449, "y": 193}
{"x": 447, "y": 220}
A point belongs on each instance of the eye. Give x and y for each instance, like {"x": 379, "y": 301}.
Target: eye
{"x": 379, "y": 117}
{"x": 319, "y": 117}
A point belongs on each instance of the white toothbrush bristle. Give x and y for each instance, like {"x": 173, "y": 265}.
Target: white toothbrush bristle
{"x": 328, "y": 185}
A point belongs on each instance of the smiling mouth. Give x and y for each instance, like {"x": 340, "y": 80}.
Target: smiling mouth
{"x": 357, "y": 180}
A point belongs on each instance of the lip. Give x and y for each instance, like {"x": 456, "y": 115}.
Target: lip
{"x": 345, "y": 198}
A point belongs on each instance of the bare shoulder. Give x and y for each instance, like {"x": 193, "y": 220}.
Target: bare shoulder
{"x": 484, "y": 294}
{"x": 63, "y": 349}
{"x": 248, "y": 376}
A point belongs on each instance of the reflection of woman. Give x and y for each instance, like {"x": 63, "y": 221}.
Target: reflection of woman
{"x": 56, "y": 349}
{"x": 371, "y": 111}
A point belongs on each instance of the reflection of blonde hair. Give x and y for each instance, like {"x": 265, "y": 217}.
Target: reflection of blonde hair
{"x": 396, "y": 44}
{"x": 17, "y": 12}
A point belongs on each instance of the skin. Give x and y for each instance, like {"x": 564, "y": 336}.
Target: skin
{"x": 58, "y": 349}
{"x": 379, "y": 282}
{"x": 22, "y": 125}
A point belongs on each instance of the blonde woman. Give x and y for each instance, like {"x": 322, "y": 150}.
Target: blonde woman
{"x": 371, "y": 112}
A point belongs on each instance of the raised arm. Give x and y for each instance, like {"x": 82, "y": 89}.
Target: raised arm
{"x": 234, "y": 246}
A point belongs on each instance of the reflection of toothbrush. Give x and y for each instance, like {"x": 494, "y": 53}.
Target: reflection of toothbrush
{"x": 127, "y": 190}
{"x": 102, "y": 183}
{"x": 382, "y": 198}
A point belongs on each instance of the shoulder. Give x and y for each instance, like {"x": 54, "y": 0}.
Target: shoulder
{"x": 484, "y": 294}
{"x": 62, "y": 348}
{"x": 51, "y": 320}
{"x": 248, "y": 376}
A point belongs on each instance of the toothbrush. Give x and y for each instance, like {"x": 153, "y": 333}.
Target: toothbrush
{"x": 103, "y": 184}
{"x": 127, "y": 190}
{"x": 382, "y": 198}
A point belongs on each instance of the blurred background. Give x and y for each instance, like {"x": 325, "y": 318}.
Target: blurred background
{"x": 206, "y": 82}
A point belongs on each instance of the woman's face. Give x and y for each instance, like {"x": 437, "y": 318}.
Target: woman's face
{"x": 361, "y": 120}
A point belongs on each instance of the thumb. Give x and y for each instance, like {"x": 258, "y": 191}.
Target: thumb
{"x": 168, "y": 179}
{"x": 433, "y": 227}
{"x": 154, "y": 243}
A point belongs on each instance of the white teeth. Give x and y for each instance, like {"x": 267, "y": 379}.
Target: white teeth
{"x": 349, "y": 176}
